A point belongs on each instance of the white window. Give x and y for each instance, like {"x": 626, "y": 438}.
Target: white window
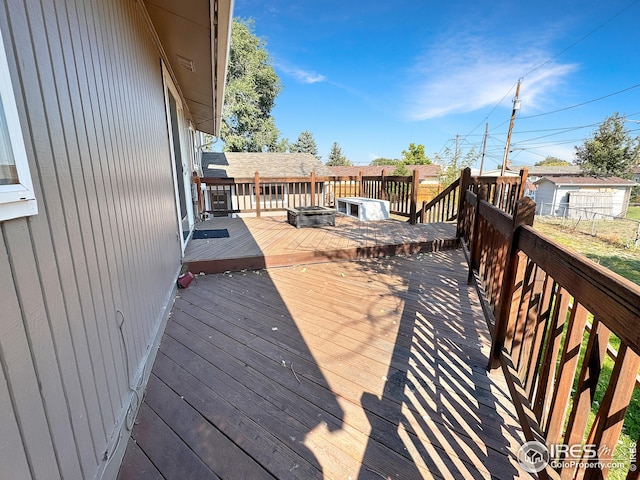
{"x": 17, "y": 198}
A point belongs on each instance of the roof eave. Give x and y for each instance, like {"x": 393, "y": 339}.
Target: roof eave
{"x": 194, "y": 37}
{"x": 221, "y": 22}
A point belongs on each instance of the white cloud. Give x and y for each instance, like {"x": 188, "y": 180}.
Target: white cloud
{"x": 303, "y": 76}
{"x": 470, "y": 73}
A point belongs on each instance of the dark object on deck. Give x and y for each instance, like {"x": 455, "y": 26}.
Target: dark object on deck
{"x": 309, "y": 216}
{"x": 185, "y": 279}
{"x": 204, "y": 234}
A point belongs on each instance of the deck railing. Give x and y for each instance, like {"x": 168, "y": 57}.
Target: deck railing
{"x": 442, "y": 208}
{"x": 552, "y": 315}
{"x": 502, "y": 192}
{"x": 258, "y": 195}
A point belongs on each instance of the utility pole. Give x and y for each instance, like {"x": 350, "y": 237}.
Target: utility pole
{"x": 484, "y": 146}
{"x": 455, "y": 154}
{"x": 516, "y": 107}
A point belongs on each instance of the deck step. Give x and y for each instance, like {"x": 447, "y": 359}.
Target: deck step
{"x": 255, "y": 243}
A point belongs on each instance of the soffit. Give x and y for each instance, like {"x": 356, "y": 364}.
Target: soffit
{"x": 196, "y": 45}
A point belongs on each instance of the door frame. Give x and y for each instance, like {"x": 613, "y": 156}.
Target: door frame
{"x": 186, "y": 158}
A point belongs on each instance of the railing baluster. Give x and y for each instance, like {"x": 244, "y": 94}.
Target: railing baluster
{"x": 552, "y": 349}
{"x": 594, "y": 356}
{"x": 610, "y": 417}
{"x": 520, "y": 308}
{"x": 542, "y": 323}
{"x": 566, "y": 372}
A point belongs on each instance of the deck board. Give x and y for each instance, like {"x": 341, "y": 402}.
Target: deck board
{"x": 359, "y": 369}
{"x": 270, "y": 241}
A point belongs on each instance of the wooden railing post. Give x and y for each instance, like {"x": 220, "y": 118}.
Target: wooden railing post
{"x": 382, "y": 193}
{"x": 414, "y": 197}
{"x": 475, "y": 244}
{"x": 360, "y": 186}
{"x": 524, "y": 174}
{"x": 313, "y": 189}
{"x": 256, "y": 186}
{"x": 198, "y": 184}
{"x": 464, "y": 181}
{"x": 523, "y": 214}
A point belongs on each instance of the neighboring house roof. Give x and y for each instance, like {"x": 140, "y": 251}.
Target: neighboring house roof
{"x": 588, "y": 181}
{"x": 197, "y": 49}
{"x": 549, "y": 171}
{"x": 245, "y": 164}
{"x": 424, "y": 171}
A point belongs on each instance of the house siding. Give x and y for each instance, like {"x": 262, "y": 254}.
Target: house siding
{"x": 101, "y": 256}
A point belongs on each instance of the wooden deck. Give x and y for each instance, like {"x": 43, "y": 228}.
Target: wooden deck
{"x": 271, "y": 241}
{"x": 364, "y": 369}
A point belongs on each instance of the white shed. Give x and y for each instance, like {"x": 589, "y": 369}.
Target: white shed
{"x": 571, "y": 196}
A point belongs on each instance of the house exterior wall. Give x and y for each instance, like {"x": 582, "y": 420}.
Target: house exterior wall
{"x": 544, "y": 198}
{"x": 85, "y": 283}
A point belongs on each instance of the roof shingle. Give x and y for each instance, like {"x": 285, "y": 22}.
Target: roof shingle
{"x": 273, "y": 165}
{"x": 589, "y": 181}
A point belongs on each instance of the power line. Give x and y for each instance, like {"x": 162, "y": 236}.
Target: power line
{"x": 542, "y": 130}
{"x": 581, "y": 38}
{"x": 493, "y": 110}
{"x": 486, "y": 118}
{"x": 583, "y": 103}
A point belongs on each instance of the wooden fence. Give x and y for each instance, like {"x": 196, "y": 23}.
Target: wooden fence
{"x": 257, "y": 195}
{"x": 540, "y": 299}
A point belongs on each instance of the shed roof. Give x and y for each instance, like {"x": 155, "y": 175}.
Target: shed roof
{"x": 424, "y": 171}
{"x": 246, "y": 164}
{"x": 588, "y": 181}
{"x": 554, "y": 170}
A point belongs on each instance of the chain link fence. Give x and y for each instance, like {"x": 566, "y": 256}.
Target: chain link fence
{"x": 619, "y": 231}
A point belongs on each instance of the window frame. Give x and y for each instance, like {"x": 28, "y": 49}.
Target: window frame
{"x": 16, "y": 200}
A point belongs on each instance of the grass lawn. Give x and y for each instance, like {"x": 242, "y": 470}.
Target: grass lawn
{"x": 634, "y": 213}
{"x": 625, "y": 262}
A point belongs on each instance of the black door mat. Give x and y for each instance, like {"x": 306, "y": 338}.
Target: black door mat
{"x": 205, "y": 234}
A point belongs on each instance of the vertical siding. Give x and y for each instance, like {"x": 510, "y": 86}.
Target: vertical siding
{"x": 83, "y": 284}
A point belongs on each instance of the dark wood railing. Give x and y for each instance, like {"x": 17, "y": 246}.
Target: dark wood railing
{"x": 540, "y": 298}
{"x": 442, "y": 208}
{"x": 257, "y": 194}
{"x": 502, "y": 192}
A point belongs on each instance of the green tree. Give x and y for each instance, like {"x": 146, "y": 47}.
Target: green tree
{"x": 305, "y": 144}
{"x": 552, "y": 162}
{"x": 251, "y": 90}
{"x": 415, "y": 155}
{"x": 380, "y": 162}
{"x": 401, "y": 170}
{"x": 336, "y": 158}
{"x": 451, "y": 163}
{"x": 610, "y": 150}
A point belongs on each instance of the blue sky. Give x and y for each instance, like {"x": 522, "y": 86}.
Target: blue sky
{"x": 375, "y": 76}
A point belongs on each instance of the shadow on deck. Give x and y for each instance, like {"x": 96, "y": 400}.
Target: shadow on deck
{"x": 264, "y": 242}
{"x": 364, "y": 369}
